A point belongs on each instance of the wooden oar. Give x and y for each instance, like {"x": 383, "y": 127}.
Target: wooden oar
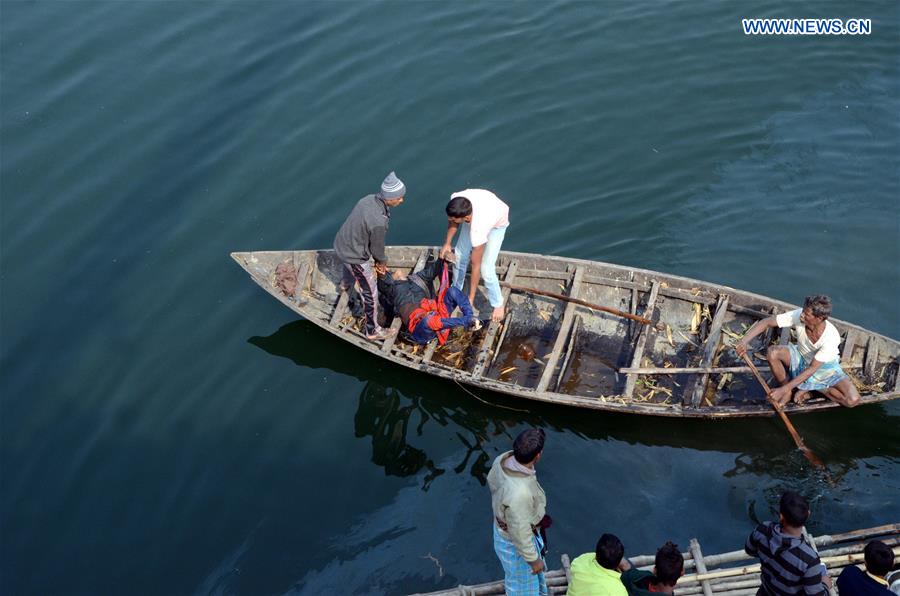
{"x": 613, "y": 311}
{"x": 796, "y": 436}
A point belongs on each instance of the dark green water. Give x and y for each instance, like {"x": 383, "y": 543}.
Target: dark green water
{"x": 167, "y": 428}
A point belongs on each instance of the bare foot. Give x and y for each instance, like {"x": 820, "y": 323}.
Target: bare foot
{"x": 498, "y": 314}
{"x": 780, "y": 396}
{"x": 800, "y": 397}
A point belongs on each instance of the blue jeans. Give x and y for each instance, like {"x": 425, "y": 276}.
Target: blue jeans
{"x": 423, "y": 334}
{"x": 488, "y": 262}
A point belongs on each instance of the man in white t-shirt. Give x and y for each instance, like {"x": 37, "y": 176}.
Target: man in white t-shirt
{"x": 813, "y": 363}
{"x": 482, "y": 219}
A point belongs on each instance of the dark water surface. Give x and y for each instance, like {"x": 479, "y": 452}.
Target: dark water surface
{"x": 167, "y": 428}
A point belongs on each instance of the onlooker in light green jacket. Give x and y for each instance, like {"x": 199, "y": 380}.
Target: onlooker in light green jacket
{"x": 597, "y": 573}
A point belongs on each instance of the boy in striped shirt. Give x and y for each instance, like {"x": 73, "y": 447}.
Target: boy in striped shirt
{"x": 789, "y": 564}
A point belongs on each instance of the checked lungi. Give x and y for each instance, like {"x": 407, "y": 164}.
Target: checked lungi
{"x": 827, "y": 375}
{"x": 364, "y": 275}
{"x": 517, "y": 577}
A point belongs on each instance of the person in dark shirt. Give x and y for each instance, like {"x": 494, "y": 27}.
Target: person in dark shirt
{"x": 871, "y": 582}
{"x": 359, "y": 244}
{"x": 667, "y": 568}
{"x": 424, "y": 311}
{"x": 789, "y": 564}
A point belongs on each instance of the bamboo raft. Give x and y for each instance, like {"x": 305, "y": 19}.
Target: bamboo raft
{"x": 681, "y": 365}
{"x": 726, "y": 574}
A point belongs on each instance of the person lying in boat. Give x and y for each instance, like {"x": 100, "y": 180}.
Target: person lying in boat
{"x": 424, "y": 313}
{"x": 813, "y": 363}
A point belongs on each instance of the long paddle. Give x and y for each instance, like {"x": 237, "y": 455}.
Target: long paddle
{"x": 618, "y": 313}
{"x": 796, "y": 436}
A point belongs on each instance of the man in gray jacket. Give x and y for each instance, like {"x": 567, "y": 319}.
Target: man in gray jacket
{"x": 361, "y": 240}
{"x": 519, "y": 506}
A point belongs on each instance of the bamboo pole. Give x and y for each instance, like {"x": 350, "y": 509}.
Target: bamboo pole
{"x": 834, "y": 553}
{"x": 812, "y": 543}
{"x": 862, "y": 534}
{"x": 661, "y": 370}
{"x": 855, "y": 548}
{"x": 556, "y": 580}
{"x": 701, "y": 565}
{"x": 556, "y": 577}
{"x": 842, "y": 560}
{"x": 739, "y": 555}
{"x": 613, "y": 311}
{"x": 721, "y": 586}
{"x": 730, "y": 586}
{"x": 734, "y": 581}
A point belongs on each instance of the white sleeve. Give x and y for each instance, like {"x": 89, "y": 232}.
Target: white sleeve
{"x": 789, "y": 319}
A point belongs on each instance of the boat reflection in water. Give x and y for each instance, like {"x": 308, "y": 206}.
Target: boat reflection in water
{"x": 396, "y": 412}
{"x": 397, "y": 406}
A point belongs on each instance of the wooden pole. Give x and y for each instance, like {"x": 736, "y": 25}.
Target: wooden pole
{"x": 661, "y": 370}
{"x": 794, "y": 434}
{"x": 841, "y": 560}
{"x": 613, "y": 311}
{"x": 860, "y": 534}
{"x": 825, "y": 540}
{"x": 701, "y": 566}
{"x": 812, "y": 542}
{"x": 729, "y": 580}
{"x": 835, "y": 554}
{"x": 567, "y": 567}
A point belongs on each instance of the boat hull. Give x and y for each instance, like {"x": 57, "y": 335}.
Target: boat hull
{"x": 584, "y": 357}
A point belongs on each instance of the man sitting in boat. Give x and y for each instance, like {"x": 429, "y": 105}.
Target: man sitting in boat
{"x": 424, "y": 313}
{"x": 813, "y": 363}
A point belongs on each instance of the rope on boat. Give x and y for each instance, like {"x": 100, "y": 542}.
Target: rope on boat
{"x": 487, "y": 402}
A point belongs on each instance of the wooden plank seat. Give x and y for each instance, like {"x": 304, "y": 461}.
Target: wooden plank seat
{"x": 642, "y": 333}
{"x": 563, "y": 335}
{"x": 481, "y": 360}
{"x": 710, "y": 349}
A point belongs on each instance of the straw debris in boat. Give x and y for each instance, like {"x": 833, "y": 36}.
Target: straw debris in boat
{"x": 685, "y": 324}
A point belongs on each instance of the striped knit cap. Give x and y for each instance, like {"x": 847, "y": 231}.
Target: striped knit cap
{"x": 392, "y": 187}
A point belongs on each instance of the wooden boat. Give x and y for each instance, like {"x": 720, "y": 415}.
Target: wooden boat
{"x": 726, "y": 574}
{"x": 559, "y": 352}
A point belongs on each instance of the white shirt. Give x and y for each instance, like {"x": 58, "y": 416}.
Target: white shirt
{"x": 488, "y": 213}
{"x": 825, "y": 350}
